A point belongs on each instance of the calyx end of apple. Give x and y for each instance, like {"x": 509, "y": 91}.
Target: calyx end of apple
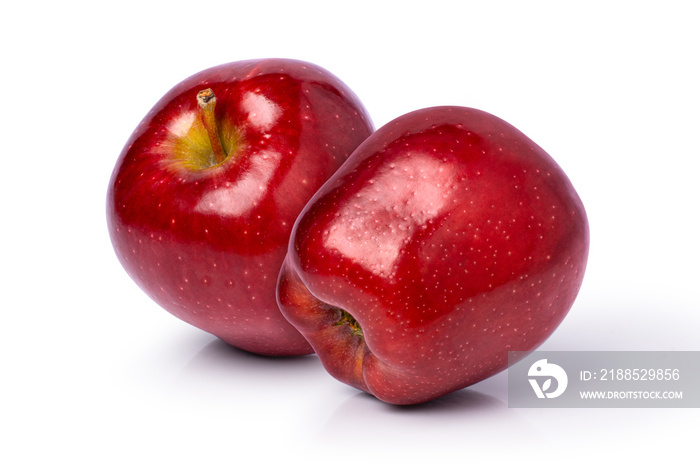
{"x": 349, "y": 320}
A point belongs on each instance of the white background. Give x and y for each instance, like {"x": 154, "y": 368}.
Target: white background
{"x": 93, "y": 372}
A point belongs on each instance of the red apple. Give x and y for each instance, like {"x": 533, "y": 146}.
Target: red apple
{"x": 205, "y": 193}
{"x": 446, "y": 240}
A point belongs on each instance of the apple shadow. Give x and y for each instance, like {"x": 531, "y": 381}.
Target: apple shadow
{"x": 219, "y": 351}
{"x": 465, "y": 401}
{"x": 458, "y": 418}
{"x": 221, "y": 368}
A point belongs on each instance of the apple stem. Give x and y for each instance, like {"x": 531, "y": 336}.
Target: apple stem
{"x": 207, "y": 102}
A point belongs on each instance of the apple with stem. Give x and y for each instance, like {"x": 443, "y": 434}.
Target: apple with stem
{"x": 446, "y": 240}
{"x": 206, "y": 190}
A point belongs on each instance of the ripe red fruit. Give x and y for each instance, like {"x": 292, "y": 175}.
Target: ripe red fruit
{"x": 204, "y": 195}
{"x": 446, "y": 240}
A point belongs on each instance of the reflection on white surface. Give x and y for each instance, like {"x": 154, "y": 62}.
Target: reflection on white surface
{"x": 466, "y": 418}
{"x": 220, "y": 368}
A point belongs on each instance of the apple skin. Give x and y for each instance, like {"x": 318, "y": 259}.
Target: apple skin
{"x": 207, "y": 242}
{"x": 450, "y": 238}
